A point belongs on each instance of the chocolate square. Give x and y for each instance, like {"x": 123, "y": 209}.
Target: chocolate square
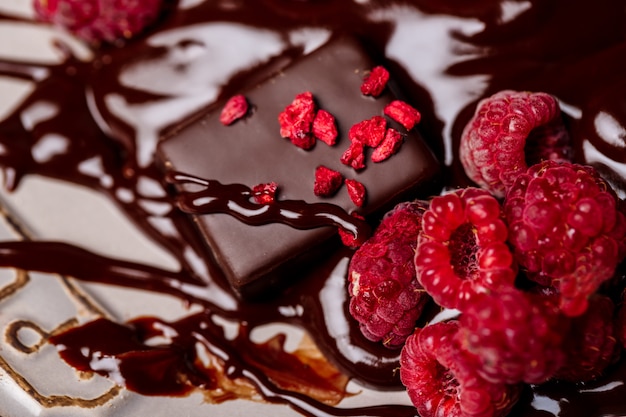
{"x": 251, "y": 151}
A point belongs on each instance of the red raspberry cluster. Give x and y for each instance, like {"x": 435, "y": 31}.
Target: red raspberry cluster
{"x": 528, "y": 261}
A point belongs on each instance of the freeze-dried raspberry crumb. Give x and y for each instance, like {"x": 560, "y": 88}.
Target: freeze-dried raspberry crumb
{"x": 385, "y": 296}
{"x": 591, "y": 344}
{"x": 296, "y": 121}
{"x": 235, "y": 108}
{"x": 350, "y": 239}
{"x": 498, "y": 141}
{"x": 100, "y": 20}
{"x": 325, "y": 127}
{"x": 403, "y": 113}
{"x": 370, "y": 132}
{"x": 389, "y": 146}
{"x": 516, "y": 336}
{"x": 356, "y": 191}
{"x": 375, "y": 82}
{"x": 566, "y": 230}
{"x": 264, "y": 193}
{"x": 327, "y": 181}
{"x": 442, "y": 381}
{"x": 462, "y": 250}
{"x": 354, "y": 156}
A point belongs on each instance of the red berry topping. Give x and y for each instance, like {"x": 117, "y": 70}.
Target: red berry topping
{"x": 375, "y": 82}
{"x": 354, "y": 156}
{"x": 566, "y": 230}
{"x": 516, "y": 336}
{"x": 389, "y": 146}
{"x": 235, "y": 108}
{"x": 494, "y": 143}
{"x": 370, "y": 132}
{"x": 385, "y": 297}
{"x": 442, "y": 381}
{"x": 100, "y": 20}
{"x": 403, "y": 113}
{"x": 462, "y": 250}
{"x": 356, "y": 191}
{"x": 265, "y": 193}
{"x": 296, "y": 121}
{"x": 591, "y": 344}
{"x": 327, "y": 181}
{"x": 348, "y": 238}
{"x": 325, "y": 127}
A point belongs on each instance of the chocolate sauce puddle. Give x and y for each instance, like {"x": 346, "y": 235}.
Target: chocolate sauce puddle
{"x": 483, "y": 47}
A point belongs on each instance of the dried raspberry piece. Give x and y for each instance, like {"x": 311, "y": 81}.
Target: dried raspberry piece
{"x": 495, "y": 145}
{"x": 354, "y": 156}
{"x": 375, "y": 82}
{"x": 403, "y": 113}
{"x": 389, "y": 146}
{"x": 370, "y": 132}
{"x": 356, "y": 191}
{"x": 349, "y": 239}
{"x": 327, "y": 181}
{"x": 325, "y": 127}
{"x": 442, "y": 381}
{"x": 235, "y": 108}
{"x": 516, "y": 336}
{"x": 385, "y": 296}
{"x": 591, "y": 343}
{"x": 462, "y": 250}
{"x": 264, "y": 193}
{"x": 100, "y": 20}
{"x": 565, "y": 229}
{"x": 296, "y": 121}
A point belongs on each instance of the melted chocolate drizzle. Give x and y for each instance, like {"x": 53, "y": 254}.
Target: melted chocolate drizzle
{"x": 446, "y": 54}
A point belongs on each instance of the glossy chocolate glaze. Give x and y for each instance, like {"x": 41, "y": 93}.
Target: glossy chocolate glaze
{"x": 446, "y": 55}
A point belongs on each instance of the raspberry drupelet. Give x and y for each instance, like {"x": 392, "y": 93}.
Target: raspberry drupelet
{"x": 509, "y": 131}
{"x": 566, "y": 230}
{"x": 385, "y": 297}
{"x": 462, "y": 250}
{"x": 100, "y": 20}
{"x": 441, "y": 378}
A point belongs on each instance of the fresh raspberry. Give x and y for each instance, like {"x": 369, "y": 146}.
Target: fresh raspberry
{"x": 403, "y": 113}
{"x": 390, "y": 145}
{"x": 462, "y": 250}
{"x": 516, "y": 336}
{"x": 235, "y": 108}
{"x": 356, "y": 191}
{"x": 370, "y": 132}
{"x": 327, "y": 181}
{"x": 566, "y": 229}
{"x": 441, "y": 380}
{"x": 495, "y": 145}
{"x": 354, "y": 156}
{"x": 325, "y": 127}
{"x": 591, "y": 344}
{"x": 375, "y": 82}
{"x": 264, "y": 193}
{"x": 296, "y": 121}
{"x": 385, "y": 296}
{"x": 100, "y": 20}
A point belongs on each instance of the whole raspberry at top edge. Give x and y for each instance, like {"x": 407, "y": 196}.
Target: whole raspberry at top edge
{"x": 566, "y": 230}
{"x": 100, "y": 20}
{"x": 591, "y": 344}
{"x": 441, "y": 379}
{"x": 516, "y": 336}
{"x": 508, "y": 131}
{"x": 462, "y": 249}
{"x": 385, "y": 297}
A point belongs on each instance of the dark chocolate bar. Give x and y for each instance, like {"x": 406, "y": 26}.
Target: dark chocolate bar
{"x": 251, "y": 152}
